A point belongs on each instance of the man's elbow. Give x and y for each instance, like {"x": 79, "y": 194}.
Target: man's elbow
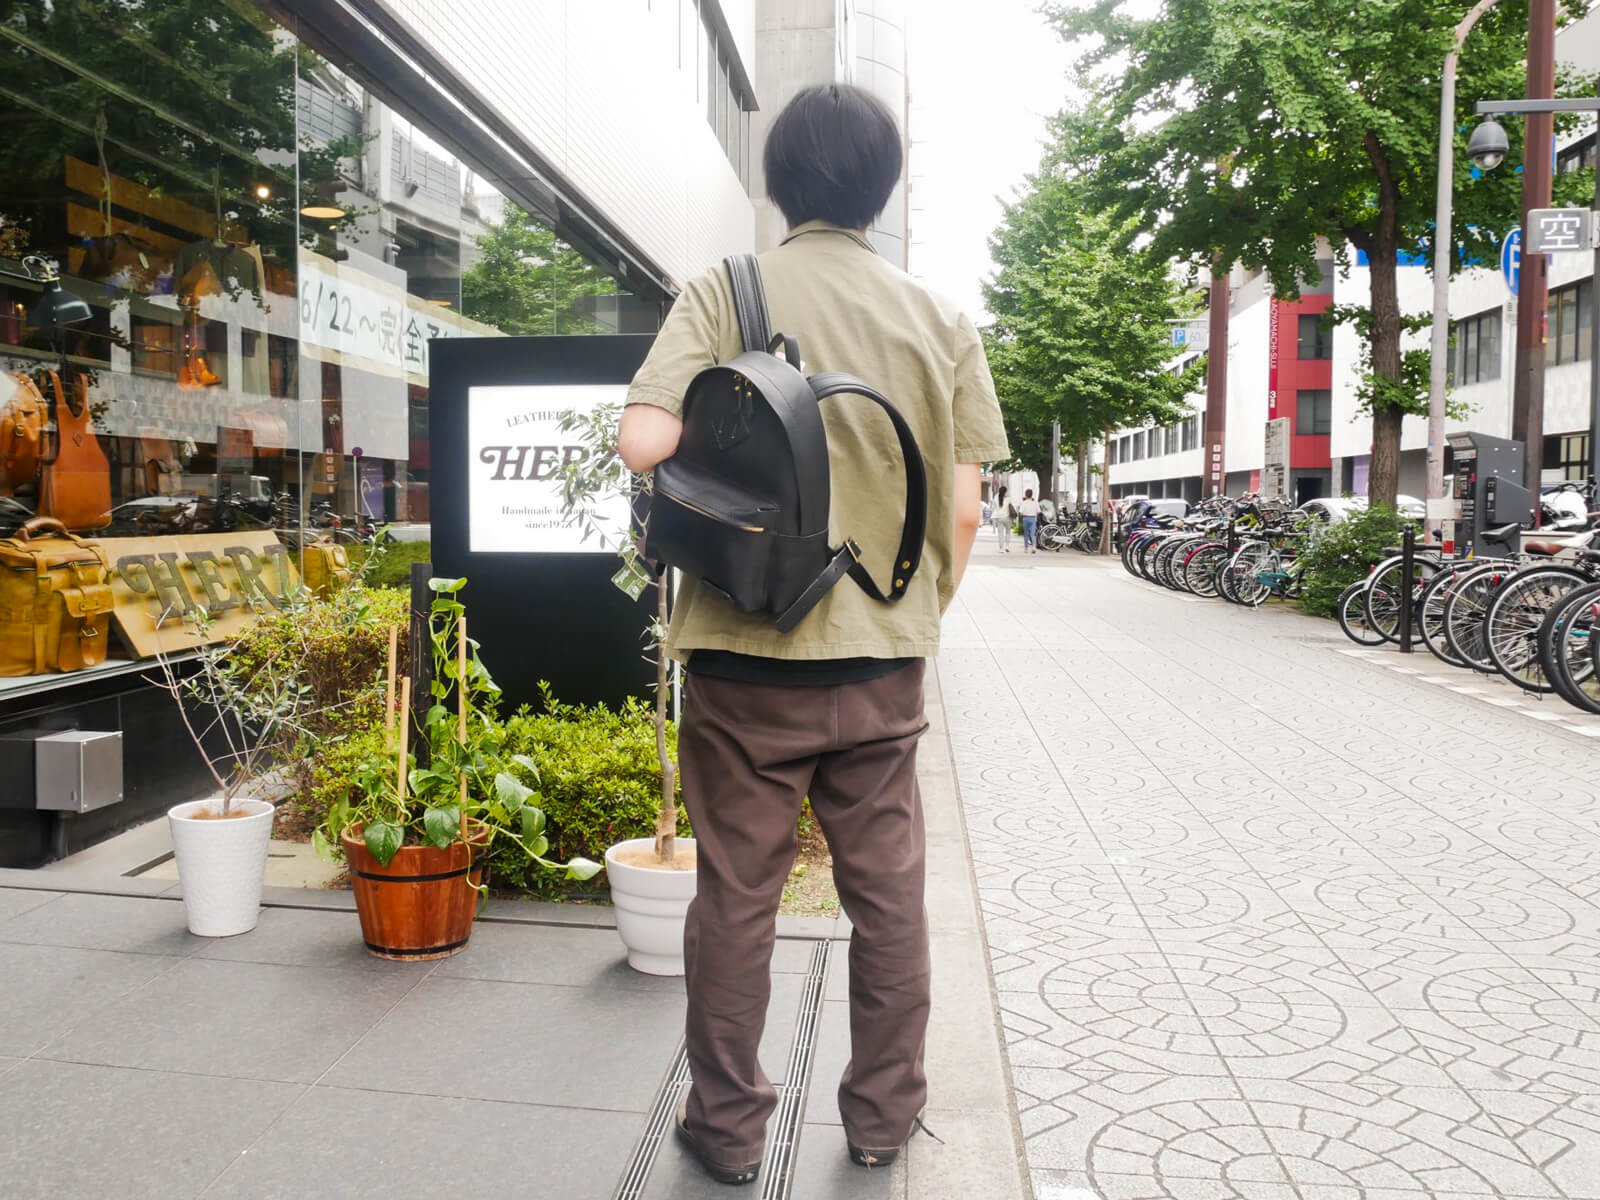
{"x": 637, "y": 457}
{"x": 647, "y": 436}
{"x": 969, "y": 517}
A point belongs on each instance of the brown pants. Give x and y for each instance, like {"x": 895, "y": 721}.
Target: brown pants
{"x": 750, "y": 753}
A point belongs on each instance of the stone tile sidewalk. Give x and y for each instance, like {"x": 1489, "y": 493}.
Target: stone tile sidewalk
{"x": 1267, "y": 920}
{"x": 139, "y": 1061}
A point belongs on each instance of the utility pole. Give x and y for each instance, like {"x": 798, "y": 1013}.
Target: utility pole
{"x": 1216, "y": 424}
{"x": 1527, "y": 399}
{"x": 1055, "y": 461}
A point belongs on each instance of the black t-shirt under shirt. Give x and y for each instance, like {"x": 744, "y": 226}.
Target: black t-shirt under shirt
{"x": 791, "y": 672}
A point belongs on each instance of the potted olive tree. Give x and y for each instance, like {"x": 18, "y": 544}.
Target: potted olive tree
{"x": 239, "y": 716}
{"x": 652, "y": 879}
{"x": 415, "y": 835}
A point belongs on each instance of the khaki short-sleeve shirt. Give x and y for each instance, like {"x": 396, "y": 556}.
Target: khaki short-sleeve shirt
{"x": 850, "y": 311}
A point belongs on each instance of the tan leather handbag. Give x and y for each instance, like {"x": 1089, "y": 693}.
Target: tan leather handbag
{"x": 325, "y": 567}
{"x": 76, "y": 486}
{"x": 22, "y": 423}
{"x": 55, "y": 601}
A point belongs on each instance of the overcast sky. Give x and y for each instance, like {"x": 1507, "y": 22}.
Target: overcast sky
{"x": 983, "y": 78}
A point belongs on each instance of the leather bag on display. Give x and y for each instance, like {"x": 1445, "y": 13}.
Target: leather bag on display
{"x": 325, "y": 567}
{"x": 76, "y": 485}
{"x": 22, "y": 424}
{"x": 743, "y": 504}
{"x": 55, "y": 601}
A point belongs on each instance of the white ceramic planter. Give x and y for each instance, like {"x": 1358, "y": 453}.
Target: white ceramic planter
{"x": 650, "y": 908}
{"x": 221, "y": 865}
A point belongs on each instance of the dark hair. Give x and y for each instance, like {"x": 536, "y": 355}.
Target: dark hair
{"x": 833, "y": 154}
{"x": 1027, "y": 494}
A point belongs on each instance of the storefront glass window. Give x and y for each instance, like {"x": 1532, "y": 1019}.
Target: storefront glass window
{"x": 254, "y": 257}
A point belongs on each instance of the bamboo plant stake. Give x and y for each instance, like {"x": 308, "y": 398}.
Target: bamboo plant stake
{"x": 461, "y": 709}
{"x": 388, "y": 705}
{"x": 405, "y": 739}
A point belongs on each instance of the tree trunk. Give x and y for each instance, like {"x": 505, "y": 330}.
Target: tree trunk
{"x": 1081, "y": 453}
{"x": 1383, "y": 483}
{"x": 667, "y": 821}
{"x": 1043, "y": 472}
{"x": 1105, "y": 502}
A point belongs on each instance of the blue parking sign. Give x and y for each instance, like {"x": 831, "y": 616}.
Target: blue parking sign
{"x": 1511, "y": 258}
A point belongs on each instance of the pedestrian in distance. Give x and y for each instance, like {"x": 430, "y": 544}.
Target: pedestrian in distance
{"x": 833, "y": 709}
{"x": 1001, "y": 517}
{"x": 1029, "y": 512}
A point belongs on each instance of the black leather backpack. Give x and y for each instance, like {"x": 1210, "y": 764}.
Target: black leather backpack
{"x": 742, "y": 506}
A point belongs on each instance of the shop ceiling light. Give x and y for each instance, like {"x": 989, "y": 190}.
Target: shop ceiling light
{"x": 263, "y": 192}
{"x": 323, "y": 204}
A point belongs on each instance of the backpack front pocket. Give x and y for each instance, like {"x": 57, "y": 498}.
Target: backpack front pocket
{"x": 714, "y": 531}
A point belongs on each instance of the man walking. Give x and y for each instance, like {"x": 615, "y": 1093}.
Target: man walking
{"x": 1028, "y": 510}
{"x": 834, "y": 709}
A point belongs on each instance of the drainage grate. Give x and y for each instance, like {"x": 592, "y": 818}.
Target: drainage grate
{"x": 783, "y": 1131}
{"x": 657, "y": 1127}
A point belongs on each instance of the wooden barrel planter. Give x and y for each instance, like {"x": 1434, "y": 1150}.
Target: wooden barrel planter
{"x": 422, "y": 904}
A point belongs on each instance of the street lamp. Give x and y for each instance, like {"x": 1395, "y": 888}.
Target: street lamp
{"x": 1490, "y": 143}
{"x": 1441, "y": 252}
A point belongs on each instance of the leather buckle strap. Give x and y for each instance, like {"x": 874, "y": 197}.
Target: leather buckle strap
{"x": 913, "y": 533}
{"x": 845, "y": 560}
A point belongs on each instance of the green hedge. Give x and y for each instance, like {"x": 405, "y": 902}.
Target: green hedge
{"x": 1345, "y": 552}
{"x": 599, "y": 782}
{"x": 388, "y": 564}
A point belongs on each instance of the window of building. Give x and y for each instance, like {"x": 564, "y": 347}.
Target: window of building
{"x": 1570, "y": 324}
{"x": 1475, "y": 349}
{"x": 1190, "y": 434}
{"x": 1111, "y": 451}
{"x": 1313, "y": 413}
{"x": 1316, "y": 336}
{"x": 1580, "y": 156}
{"x": 1138, "y": 446}
{"x": 1172, "y": 439}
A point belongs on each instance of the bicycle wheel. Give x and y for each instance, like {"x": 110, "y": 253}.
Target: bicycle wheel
{"x": 1352, "y": 613}
{"x": 1464, "y": 612}
{"x": 1512, "y": 620}
{"x": 1430, "y": 615}
{"x": 1387, "y": 589}
{"x": 1564, "y": 638}
{"x": 1202, "y": 566}
{"x": 1141, "y": 557}
{"x": 1165, "y": 556}
{"x": 1244, "y": 569}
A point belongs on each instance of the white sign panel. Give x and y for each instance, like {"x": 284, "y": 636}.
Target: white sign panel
{"x": 516, "y": 449}
{"x": 1554, "y": 230}
{"x": 1275, "y": 468}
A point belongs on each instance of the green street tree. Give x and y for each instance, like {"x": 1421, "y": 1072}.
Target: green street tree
{"x": 529, "y": 281}
{"x": 1079, "y": 333}
{"x": 1247, "y": 130}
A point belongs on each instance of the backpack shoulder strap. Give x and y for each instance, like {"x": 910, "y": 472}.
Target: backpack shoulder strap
{"x": 749, "y": 302}
{"x": 847, "y": 559}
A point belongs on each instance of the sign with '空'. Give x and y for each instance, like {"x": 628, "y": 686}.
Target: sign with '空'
{"x": 517, "y": 450}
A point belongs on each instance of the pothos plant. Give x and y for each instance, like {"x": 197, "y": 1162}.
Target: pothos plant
{"x": 597, "y": 478}
{"x": 468, "y": 791}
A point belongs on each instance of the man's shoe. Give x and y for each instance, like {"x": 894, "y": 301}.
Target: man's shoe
{"x": 721, "y": 1172}
{"x": 867, "y": 1156}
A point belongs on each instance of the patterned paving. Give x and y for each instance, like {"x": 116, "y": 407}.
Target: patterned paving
{"x": 1268, "y": 921}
